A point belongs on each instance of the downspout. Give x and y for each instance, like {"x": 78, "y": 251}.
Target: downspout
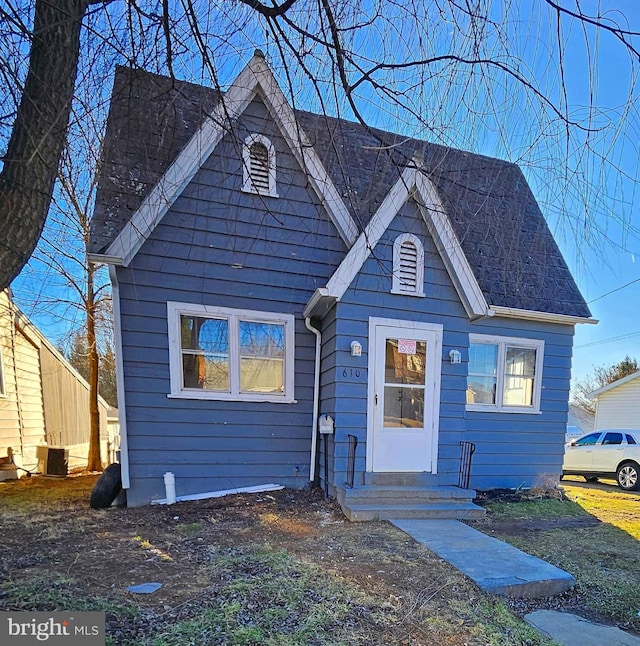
{"x": 316, "y": 399}
{"x": 122, "y": 409}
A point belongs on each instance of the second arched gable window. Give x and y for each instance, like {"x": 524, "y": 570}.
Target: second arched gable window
{"x": 259, "y": 166}
{"x": 408, "y": 266}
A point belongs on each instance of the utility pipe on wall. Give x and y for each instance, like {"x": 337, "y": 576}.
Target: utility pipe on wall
{"x": 170, "y": 487}
{"x": 316, "y": 399}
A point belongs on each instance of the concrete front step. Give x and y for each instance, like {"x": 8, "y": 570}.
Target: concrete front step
{"x": 385, "y": 502}
{"x": 382, "y": 494}
{"x": 401, "y": 479}
{"x": 455, "y": 511}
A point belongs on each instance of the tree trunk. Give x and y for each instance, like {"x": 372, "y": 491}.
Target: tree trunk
{"x": 39, "y": 132}
{"x": 94, "y": 461}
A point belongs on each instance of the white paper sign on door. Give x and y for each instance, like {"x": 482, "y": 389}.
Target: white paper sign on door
{"x": 406, "y": 346}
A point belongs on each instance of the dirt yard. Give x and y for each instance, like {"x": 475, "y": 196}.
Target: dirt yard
{"x": 276, "y": 568}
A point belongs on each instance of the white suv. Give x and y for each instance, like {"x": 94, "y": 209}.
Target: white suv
{"x": 609, "y": 453}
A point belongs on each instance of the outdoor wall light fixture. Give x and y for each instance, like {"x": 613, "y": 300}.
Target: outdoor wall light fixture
{"x": 455, "y": 356}
{"x": 356, "y": 349}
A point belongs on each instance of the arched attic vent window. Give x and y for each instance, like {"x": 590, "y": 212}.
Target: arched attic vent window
{"x": 408, "y": 266}
{"x": 259, "y": 166}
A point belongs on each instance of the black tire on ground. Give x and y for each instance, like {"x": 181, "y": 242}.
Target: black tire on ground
{"x": 107, "y": 488}
{"x": 628, "y": 476}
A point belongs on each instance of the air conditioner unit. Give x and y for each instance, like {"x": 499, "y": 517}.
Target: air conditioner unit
{"x": 52, "y": 460}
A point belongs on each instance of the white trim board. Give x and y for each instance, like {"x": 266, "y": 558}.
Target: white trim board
{"x": 255, "y": 79}
{"x": 120, "y": 389}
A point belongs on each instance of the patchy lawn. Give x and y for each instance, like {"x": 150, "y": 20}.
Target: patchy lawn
{"x": 286, "y": 568}
{"x": 590, "y": 530}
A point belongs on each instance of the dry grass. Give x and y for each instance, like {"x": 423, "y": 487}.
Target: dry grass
{"x": 281, "y": 568}
{"x": 591, "y": 531}
{"x": 608, "y": 504}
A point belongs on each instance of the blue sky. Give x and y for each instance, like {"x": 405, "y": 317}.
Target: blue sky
{"x": 605, "y": 260}
{"x": 596, "y": 232}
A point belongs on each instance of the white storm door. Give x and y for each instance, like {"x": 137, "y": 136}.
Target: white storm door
{"x": 404, "y": 392}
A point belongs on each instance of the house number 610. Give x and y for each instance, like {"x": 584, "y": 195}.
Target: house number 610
{"x": 351, "y": 373}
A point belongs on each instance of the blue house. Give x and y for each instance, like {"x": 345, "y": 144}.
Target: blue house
{"x": 276, "y": 271}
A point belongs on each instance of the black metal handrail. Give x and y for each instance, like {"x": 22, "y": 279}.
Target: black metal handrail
{"x": 467, "y": 449}
{"x": 351, "y": 460}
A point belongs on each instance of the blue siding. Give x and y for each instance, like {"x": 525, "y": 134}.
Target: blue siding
{"x": 219, "y": 246}
{"x": 511, "y": 449}
{"x": 287, "y": 247}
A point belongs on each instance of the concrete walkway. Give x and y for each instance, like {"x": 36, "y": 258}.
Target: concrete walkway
{"x": 494, "y": 566}
{"x": 571, "y": 630}
{"x": 502, "y": 569}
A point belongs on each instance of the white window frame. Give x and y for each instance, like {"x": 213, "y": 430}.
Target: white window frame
{"x": 247, "y": 183}
{"x": 396, "y": 287}
{"x": 502, "y": 342}
{"x": 3, "y": 392}
{"x": 175, "y": 310}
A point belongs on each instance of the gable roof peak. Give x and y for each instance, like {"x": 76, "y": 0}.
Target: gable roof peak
{"x": 182, "y": 169}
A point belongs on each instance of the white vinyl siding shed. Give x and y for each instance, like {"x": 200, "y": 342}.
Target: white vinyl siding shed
{"x": 618, "y": 404}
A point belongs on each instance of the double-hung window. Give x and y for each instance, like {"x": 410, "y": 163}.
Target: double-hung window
{"x": 504, "y": 374}
{"x": 223, "y": 353}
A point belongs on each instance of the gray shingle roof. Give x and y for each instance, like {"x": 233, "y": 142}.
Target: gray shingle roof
{"x": 496, "y": 218}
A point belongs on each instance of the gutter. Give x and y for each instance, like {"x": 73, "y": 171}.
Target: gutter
{"x": 316, "y": 399}
{"x": 545, "y": 317}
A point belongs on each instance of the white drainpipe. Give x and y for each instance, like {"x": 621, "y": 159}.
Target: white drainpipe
{"x": 316, "y": 399}
{"x": 170, "y": 487}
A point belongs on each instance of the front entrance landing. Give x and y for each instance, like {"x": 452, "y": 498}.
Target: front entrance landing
{"x": 408, "y": 501}
{"x": 493, "y": 565}
{"x": 406, "y": 495}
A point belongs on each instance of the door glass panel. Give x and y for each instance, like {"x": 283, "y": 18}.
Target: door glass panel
{"x": 405, "y": 361}
{"x": 403, "y": 407}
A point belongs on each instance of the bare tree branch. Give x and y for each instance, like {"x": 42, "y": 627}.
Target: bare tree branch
{"x": 269, "y": 12}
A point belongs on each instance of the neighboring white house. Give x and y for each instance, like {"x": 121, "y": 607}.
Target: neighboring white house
{"x": 43, "y": 400}
{"x": 618, "y": 403}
